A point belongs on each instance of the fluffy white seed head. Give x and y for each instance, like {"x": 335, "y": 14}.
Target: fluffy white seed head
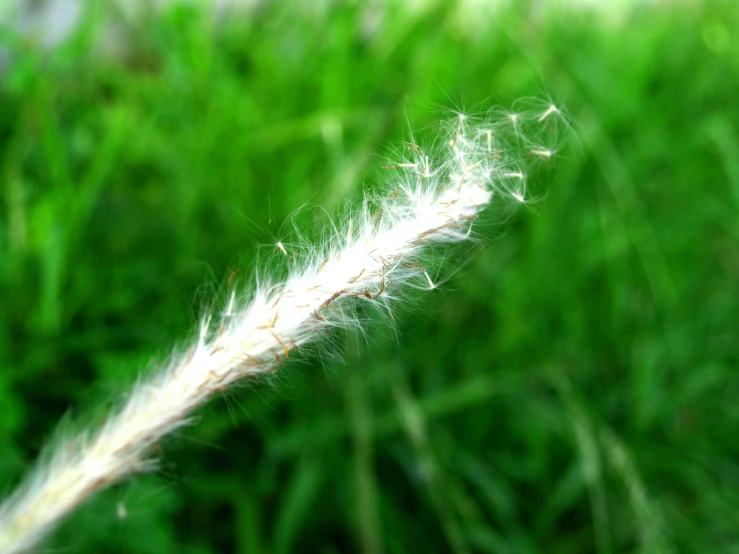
{"x": 433, "y": 195}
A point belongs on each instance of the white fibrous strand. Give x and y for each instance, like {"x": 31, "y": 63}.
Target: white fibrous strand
{"x": 432, "y": 196}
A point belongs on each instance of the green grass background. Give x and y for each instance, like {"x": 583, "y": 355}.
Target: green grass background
{"x": 573, "y": 388}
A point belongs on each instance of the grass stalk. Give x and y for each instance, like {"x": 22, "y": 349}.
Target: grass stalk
{"x": 433, "y": 196}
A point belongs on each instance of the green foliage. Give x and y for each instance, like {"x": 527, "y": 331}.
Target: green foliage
{"x": 574, "y": 388}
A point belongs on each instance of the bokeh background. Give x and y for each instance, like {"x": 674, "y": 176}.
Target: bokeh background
{"x": 572, "y": 389}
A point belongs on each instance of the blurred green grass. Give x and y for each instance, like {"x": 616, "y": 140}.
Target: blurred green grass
{"x": 574, "y": 388}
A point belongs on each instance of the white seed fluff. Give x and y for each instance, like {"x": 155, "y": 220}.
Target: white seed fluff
{"x": 432, "y": 197}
